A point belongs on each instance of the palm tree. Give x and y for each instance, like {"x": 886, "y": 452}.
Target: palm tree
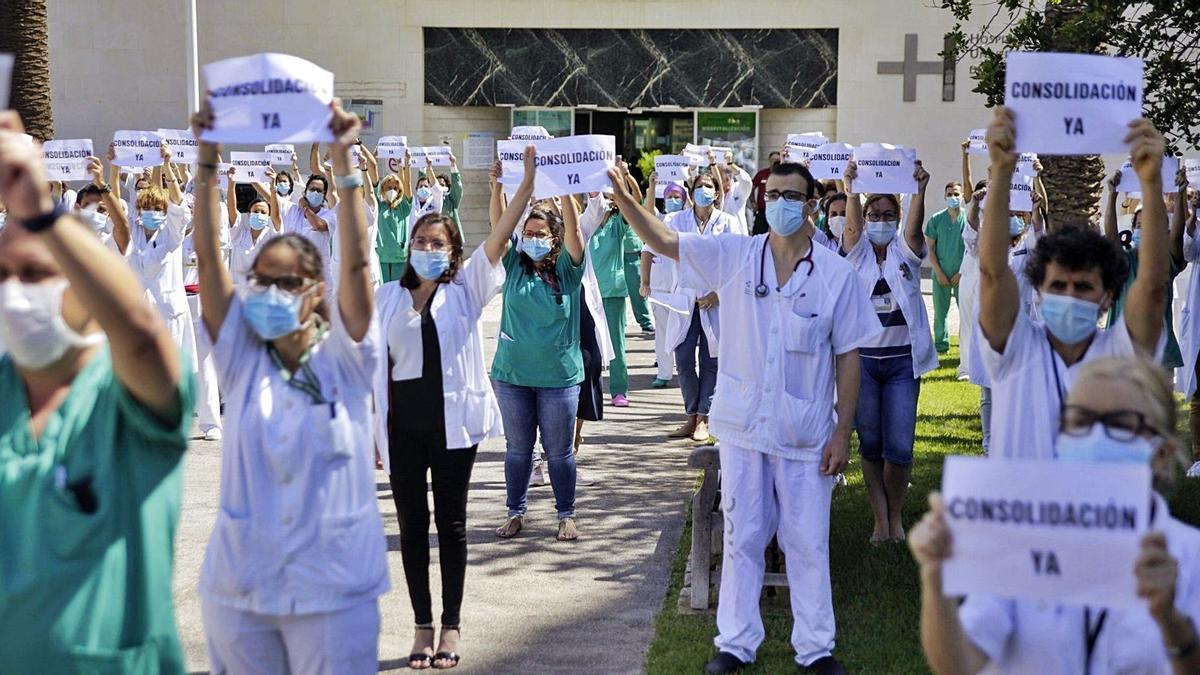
{"x": 24, "y": 32}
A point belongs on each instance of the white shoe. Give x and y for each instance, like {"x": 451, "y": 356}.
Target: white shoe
{"x": 1194, "y": 470}
{"x": 582, "y": 479}
{"x": 840, "y": 479}
{"x": 213, "y": 434}
{"x": 537, "y": 478}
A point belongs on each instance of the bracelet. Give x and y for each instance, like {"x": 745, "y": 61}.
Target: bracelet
{"x": 351, "y": 181}
{"x": 104, "y": 188}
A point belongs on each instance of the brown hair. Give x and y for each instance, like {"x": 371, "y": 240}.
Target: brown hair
{"x": 555, "y": 223}
{"x": 311, "y": 264}
{"x": 872, "y": 198}
{"x": 410, "y": 279}
{"x": 151, "y": 199}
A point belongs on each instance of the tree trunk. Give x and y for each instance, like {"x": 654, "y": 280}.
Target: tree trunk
{"x": 1074, "y": 185}
{"x": 24, "y": 32}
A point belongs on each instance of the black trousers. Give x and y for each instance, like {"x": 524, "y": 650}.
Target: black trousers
{"x": 412, "y": 454}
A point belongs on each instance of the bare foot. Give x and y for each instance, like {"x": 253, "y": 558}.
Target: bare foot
{"x": 447, "y": 651}
{"x": 567, "y": 530}
{"x": 880, "y": 534}
{"x": 421, "y": 655}
{"x": 510, "y": 528}
{"x": 897, "y": 531}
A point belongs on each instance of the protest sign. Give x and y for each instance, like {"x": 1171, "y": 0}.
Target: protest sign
{"x": 251, "y": 167}
{"x": 437, "y": 155}
{"x": 182, "y": 144}
{"x": 570, "y": 165}
{"x": 1192, "y": 168}
{"x": 1020, "y": 193}
{"x": 696, "y": 154}
{"x": 134, "y": 149}
{"x": 66, "y": 159}
{"x": 268, "y": 98}
{"x": 281, "y": 153}
{"x": 722, "y": 154}
{"x": 529, "y": 134}
{"x": 6, "y": 65}
{"x": 223, "y": 174}
{"x": 801, "y": 146}
{"x": 675, "y": 302}
{"x": 829, "y": 161}
{"x": 671, "y": 168}
{"x": 1072, "y": 104}
{"x": 1133, "y": 187}
{"x": 976, "y": 143}
{"x": 1045, "y": 529}
{"x": 885, "y": 168}
{"x": 392, "y": 147}
{"x": 479, "y": 150}
{"x": 1025, "y": 162}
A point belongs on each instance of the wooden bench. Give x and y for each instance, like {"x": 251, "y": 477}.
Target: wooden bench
{"x": 708, "y": 526}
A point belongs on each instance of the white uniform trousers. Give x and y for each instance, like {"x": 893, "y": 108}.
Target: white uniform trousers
{"x": 208, "y": 397}
{"x": 663, "y": 353}
{"x": 968, "y": 303}
{"x": 764, "y": 495}
{"x": 344, "y": 642}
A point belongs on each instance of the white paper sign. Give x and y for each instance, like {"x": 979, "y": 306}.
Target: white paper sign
{"x": 1133, "y": 187}
{"x": 529, "y": 134}
{"x": 438, "y": 155}
{"x": 1045, "y": 529}
{"x": 392, "y": 147}
{"x": 671, "y": 168}
{"x": 1192, "y": 167}
{"x": 479, "y": 150}
{"x": 829, "y": 161}
{"x": 976, "y": 143}
{"x": 251, "y": 167}
{"x": 269, "y": 98}
{"x": 696, "y": 154}
{"x": 1072, "y": 104}
{"x": 66, "y": 159}
{"x": 6, "y": 65}
{"x": 1025, "y": 162}
{"x": 885, "y": 168}
{"x": 223, "y": 174}
{"x": 675, "y": 302}
{"x": 135, "y": 149}
{"x": 569, "y": 165}
{"x": 281, "y": 153}
{"x": 800, "y": 146}
{"x": 1020, "y": 193}
{"x": 182, "y": 144}
{"x": 722, "y": 153}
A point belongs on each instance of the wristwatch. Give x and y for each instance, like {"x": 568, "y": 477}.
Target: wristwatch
{"x": 44, "y": 221}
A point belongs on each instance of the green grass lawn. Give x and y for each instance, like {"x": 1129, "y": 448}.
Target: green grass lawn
{"x": 875, "y": 589}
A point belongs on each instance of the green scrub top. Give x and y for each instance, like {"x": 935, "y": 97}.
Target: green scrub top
{"x": 948, "y": 233}
{"x": 88, "y": 588}
{"x": 453, "y": 200}
{"x": 391, "y": 242}
{"x": 539, "y": 328}
{"x": 1172, "y": 355}
{"x": 607, "y": 247}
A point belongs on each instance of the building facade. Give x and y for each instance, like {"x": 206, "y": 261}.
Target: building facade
{"x": 654, "y": 73}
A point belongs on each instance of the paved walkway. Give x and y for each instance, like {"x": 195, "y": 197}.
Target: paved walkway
{"x": 533, "y": 604}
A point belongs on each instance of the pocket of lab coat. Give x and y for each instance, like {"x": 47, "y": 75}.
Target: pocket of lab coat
{"x": 735, "y": 402}
{"x": 339, "y": 430}
{"x": 801, "y": 338}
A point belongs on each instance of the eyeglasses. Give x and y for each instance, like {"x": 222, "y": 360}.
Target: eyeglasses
{"x": 1119, "y": 425}
{"x": 793, "y": 196}
{"x": 879, "y": 216}
{"x": 290, "y": 284}
{"x": 537, "y": 235}
{"x": 423, "y": 244}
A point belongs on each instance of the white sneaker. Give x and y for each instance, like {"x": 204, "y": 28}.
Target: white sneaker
{"x": 582, "y": 478}
{"x": 840, "y": 479}
{"x": 537, "y": 478}
{"x": 213, "y": 434}
{"x": 1194, "y": 471}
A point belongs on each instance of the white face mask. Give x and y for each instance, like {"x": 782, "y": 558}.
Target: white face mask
{"x": 31, "y": 323}
{"x": 837, "y": 225}
{"x": 389, "y": 196}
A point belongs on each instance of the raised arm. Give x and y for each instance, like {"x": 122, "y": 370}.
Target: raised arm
{"x": 111, "y": 204}
{"x": 999, "y": 296}
{"x": 633, "y": 186}
{"x": 406, "y": 189}
{"x": 652, "y": 231}
{"x": 314, "y": 159}
{"x": 456, "y": 184}
{"x": 273, "y": 202}
{"x": 144, "y": 357}
{"x": 174, "y": 193}
{"x": 854, "y": 211}
{"x": 916, "y": 211}
{"x": 231, "y": 212}
{"x": 355, "y": 298}
{"x": 968, "y": 183}
{"x": 364, "y": 165}
{"x": 496, "y": 199}
{"x": 651, "y": 190}
{"x": 1110, "y": 208}
{"x": 216, "y": 286}
{"x": 372, "y": 165}
{"x": 505, "y": 223}
{"x": 1179, "y": 222}
{"x": 1147, "y": 297}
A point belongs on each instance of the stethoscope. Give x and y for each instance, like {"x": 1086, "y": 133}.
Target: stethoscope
{"x": 761, "y": 289}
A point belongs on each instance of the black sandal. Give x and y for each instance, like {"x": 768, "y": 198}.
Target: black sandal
{"x": 422, "y": 660}
{"x": 452, "y": 657}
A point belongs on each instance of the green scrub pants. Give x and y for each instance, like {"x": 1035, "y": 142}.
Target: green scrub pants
{"x": 618, "y": 372}
{"x": 633, "y": 282}
{"x": 941, "y": 306}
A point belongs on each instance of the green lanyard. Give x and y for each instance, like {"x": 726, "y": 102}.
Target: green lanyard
{"x": 310, "y": 385}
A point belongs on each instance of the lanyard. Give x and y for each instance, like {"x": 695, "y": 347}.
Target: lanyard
{"x": 1091, "y": 635}
{"x": 310, "y": 385}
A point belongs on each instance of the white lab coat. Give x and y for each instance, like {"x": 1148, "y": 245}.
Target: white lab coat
{"x": 471, "y": 411}
{"x": 719, "y": 224}
{"x": 294, "y": 222}
{"x": 902, "y": 271}
{"x": 1189, "y": 320}
{"x": 735, "y": 200}
{"x": 157, "y": 261}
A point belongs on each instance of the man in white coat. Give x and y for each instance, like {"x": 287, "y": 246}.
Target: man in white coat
{"x": 794, "y": 315}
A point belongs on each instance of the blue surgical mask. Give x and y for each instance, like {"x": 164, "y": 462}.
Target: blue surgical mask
{"x": 536, "y": 248}
{"x": 882, "y": 233}
{"x": 953, "y": 202}
{"x": 784, "y": 217}
{"x": 1015, "y": 225}
{"x": 152, "y": 220}
{"x": 283, "y": 189}
{"x": 673, "y": 204}
{"x": 704, "y": 196}
{"x": 423, "y": 193}
{"x": 429, "y": 265}
{"x": 1069, "y": 319}
{"x": 1136, "y": 238}
{"x": 1097, "y": 447}
{"x": 314, "y": 198}
{"x": 273, "y": 313}
{"x": 259, "y": 220}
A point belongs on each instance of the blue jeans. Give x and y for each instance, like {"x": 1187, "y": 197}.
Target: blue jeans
{"x": 525, "y": 411}
{"x": 697, "y": 388}
{"x": 886, "y": 417}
